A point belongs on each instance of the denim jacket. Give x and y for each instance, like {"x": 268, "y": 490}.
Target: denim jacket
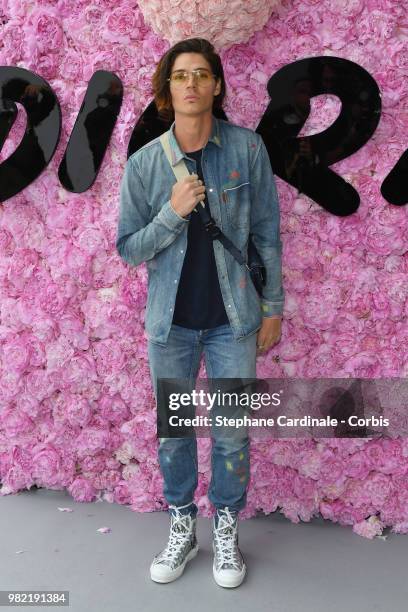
{"x": 242, "y": 197}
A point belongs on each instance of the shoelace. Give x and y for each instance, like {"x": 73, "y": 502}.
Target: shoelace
{"x": 225, "y": 540}
{"x": 180, "y": 528}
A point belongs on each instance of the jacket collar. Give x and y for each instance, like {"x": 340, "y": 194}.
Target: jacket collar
{"x": 177, "y": 154}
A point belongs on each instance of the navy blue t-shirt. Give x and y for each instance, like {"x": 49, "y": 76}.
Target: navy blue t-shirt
{"x": 199, "y": 303}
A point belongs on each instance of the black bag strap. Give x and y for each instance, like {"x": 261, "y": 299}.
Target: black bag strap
{"x": 216, "y": 234}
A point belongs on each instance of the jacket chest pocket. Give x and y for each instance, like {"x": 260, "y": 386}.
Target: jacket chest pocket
{"x": 236, "y": 201}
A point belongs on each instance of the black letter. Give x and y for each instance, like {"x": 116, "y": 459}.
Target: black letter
{"x": 304, "y": 162}
{"x": 42, "y": 132}
{"x": 92, "y": 131}
{"x": 395, "y": 186}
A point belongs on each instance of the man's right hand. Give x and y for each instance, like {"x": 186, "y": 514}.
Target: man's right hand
{"x": 186, "y": 194}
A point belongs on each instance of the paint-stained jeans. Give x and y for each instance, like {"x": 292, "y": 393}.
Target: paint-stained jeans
{"x": 225, "y": 357}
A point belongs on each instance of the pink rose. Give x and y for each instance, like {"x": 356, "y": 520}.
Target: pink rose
{"x": 11, "y": 385}
{"x": 399, "y": 55}
{"x": 7, "y": 245}
{"x": 45, "y": 466}
{"x": 358, "y": 466}
{"x": 384, "y": 240}
{"x": 21, "y": 266}
{"x": 108, "y": 479}
{"x": 31, "y": 406}
{"x": 92, "y": 441}
{"x": 309, "y": 464}
{"x": 16, "y": 422}
{"x": 82, "y": 490}
{"x": 89, "y": 240}
{"x": 48, "y": 65}
{"x": 94, "y": 464}
{"x": 13, "y": 40}
{"x": 362, "y": 365}
{"x": 369, "y": 528}
{"x": 302, "y": 22}
{"x": 353, "y": 7}
{"x": 121, "y": 493}
{"x": 72, "y": 327}
{"x": 304, "y": 487}
{"x": 78, "y": 411}
{"x": 79, "y": 373}
{"x": 52, "y": 301}
{"x": 320, "y": 361}
{"x": 319, "y": 308}
{"x": 93, "y": 15}
{"x": 46, "y": 31}
{"x": 400, "y": 527}
{"x": 375, "y": 25}
{"x": 40, "y": 384}
{"x": 16, "y": 354}
{"x": 153, "y": 47}
{"x": 332, "y": 471}
{"x": 15, "y": 480}
{"x": 113, "y": 409}
{"x": 122, "y": 24}
{"x": 108, "y": 357}
{"x": 296, "y": 343}
{"x": 378, "y": 487}
{"x": 71, "y": 66}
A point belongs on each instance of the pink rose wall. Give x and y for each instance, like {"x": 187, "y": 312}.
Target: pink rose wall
{"x": 77, "y": 407}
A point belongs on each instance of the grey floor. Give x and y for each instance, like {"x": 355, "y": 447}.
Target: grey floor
{"x": 317, "y": 566}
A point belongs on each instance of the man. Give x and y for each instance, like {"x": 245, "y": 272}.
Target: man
{"x": 199, "y": 297}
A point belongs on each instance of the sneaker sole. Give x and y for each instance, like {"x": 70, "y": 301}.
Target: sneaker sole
{"x": 177, "y": 572}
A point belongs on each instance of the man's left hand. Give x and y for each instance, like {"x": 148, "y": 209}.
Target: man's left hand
{"x": 269, "y": 334}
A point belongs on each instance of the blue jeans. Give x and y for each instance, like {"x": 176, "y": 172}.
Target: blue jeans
{"x": 225, "y": 357}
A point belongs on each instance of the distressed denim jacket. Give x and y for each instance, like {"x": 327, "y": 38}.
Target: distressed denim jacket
{"x": 242, "y": 196}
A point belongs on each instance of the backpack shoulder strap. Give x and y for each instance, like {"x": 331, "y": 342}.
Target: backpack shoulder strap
{"x": 180, "y": 170}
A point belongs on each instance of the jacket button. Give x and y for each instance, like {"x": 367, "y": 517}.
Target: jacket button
{"x": 181, "y": 251}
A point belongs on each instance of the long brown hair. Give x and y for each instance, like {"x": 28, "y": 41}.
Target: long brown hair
{"x": 160, "y": 85}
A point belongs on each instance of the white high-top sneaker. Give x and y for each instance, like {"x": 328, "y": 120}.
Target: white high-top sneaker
{"x": 229, "y": 567}
{"x": 182, "y": 546}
